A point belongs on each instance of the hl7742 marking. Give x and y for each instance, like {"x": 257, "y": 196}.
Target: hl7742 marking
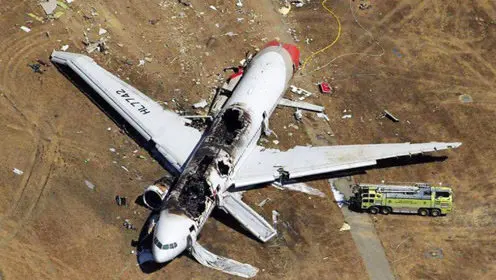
{"x": 142, "y": 109}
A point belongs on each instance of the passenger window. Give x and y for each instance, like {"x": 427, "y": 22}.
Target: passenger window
{"x": 166, "y": 246}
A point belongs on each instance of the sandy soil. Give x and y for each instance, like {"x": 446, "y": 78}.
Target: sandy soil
{"x": 52, "y": 226}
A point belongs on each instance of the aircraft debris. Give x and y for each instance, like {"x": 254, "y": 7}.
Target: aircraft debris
{"x": 230, "y": 34}
{"x": 25, "y": 29}
{"x": 18, "y": 171}
{"x": 275, "y": 216}
{"x": 300, "y": 187}
{"x": 345, "y": 227}
{"x": 390, "y": 116}
{"x": 323, "y": 116}
{"x": 141, "y": 62}
{"x": 36, "y": 68}
{"x": 120, "y": 200}
{"x": 364, "y": 5}
{"x": 89, "y": 184}
{"x": 128, "y": 225}
{"x": 185, "y": 3}
{"x": 100, "y": 45}
{"x": 338, "y": 196}
{"x": 123, "y": 167}
{"x": 221, "y": 263}
{"x": 436, "y": 253}
{"x": 298, "y": 3}
{"x": 112, "y": 150}
{"x": 465, "y": 98}
{"x": 263, "y": 202}
{"x": 64, "y": 48}
{"x": 213, "y": 7}
{"x": 102, "y": 31}
{"x": 284, "y": 10}
{"x": 298, "y": 114}
{"x": 300, "y": 105}
{"x": 36, "y": 17}
{"x": 276, "y": 142}
{"x": 200, "y": 105}
{"x": 49, "y": 6}
{"x": 347, "y": 116}
{"x": 239, "y": 3}
{"x": 300, "y": 91}
{"x": 325, "y": 87}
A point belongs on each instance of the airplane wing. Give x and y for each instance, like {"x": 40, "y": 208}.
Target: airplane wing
{"x": 165, "y": 129}
{"x": 267, "y": 165}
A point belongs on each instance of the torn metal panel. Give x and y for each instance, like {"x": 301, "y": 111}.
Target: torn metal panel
{"x": 301, "y": 105}
{"x": 263, "y": 164}
{"x": 49, "y": 6}
{"x": 390, "y": 116}
{"x": 223, "y": 264}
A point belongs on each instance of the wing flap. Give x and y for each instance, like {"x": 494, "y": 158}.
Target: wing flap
{"x": 173, "y": 139}
{"x": 267, "y": 165}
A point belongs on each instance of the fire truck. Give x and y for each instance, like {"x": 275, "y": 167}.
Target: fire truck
{"x": 419, "y": 198}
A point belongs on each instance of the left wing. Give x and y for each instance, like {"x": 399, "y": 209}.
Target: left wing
{"x": 164, "y": 129}
{"x": 268, "y": 165}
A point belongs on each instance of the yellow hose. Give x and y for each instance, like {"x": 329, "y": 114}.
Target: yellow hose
{"x": 331, "y": 44}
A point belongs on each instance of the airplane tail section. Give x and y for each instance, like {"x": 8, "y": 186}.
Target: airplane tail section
{"x": 245, "y": 215}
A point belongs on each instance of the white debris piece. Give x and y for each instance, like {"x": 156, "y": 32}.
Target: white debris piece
{"x": 89, "y": 184}
{"x": 18, "y": 171}
{"x": 69, "y": 1}
{"x": 275, "y": 215}
{"x": 300, "y": 187}
{"x": 239, "y": 3}
{"x": 284, "y": 10}
{"x": 102, "y": 31}
{"x": 347, "y": 116}
{"x": 226, "y": 265}
{"x": 231, "y": 34}
{"x": 263, "y": 202}
{"x": 338, "y": 196}
{"x": 112, "y": 150}
{"x": 25, "y": 29}
{"x": 345, "y": 227}
{"x": 200, "y": 105}
{"x": 298, "y": 114}
{"x": 213, "y": 7}
{"x": 49, "y": 6}
{"x": 323, "y": 116}
{"x": 141, "y": 62}
{"x": 64, "y": 48}
{"x": 125, "y": 168}
{"x": 276, "y": 142}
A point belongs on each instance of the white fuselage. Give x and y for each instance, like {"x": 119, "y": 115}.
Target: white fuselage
{"x": 226, "y": 143}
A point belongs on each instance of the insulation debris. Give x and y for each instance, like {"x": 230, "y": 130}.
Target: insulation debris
{"x": 18, "y": 171}
{"x": 263, "y": 202}
{"x": 64, "y": 48}
{"x": 223, "y": 264}
{"x": 323, "y": 116}
{"x": 345, "y": 227}
{"x": 300, "y": 187}
{"x": 25, "y": 29}
{"x": 102, "y": 31}
{"x": 347, "y": 116}
{"x": 89, "y": 184}
{"x": 275, "y": 216}
{"x": 298, "y": 114}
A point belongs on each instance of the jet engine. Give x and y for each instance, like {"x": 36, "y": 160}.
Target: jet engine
{"x": 154, "y": 194}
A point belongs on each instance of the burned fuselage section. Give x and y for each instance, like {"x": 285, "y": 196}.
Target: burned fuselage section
{"x": 206, "y": 173}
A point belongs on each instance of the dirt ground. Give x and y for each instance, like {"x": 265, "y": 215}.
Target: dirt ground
{"x": 413, "y": 58}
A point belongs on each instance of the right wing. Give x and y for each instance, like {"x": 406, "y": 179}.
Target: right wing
{"x": 268, "y": 165}
{"x": 172, "y": 138}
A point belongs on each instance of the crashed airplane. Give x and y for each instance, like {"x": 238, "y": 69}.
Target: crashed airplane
{"x": 210, "y": 166}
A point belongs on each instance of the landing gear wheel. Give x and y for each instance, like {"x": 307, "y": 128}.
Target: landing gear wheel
{"x": 385, "y": 210}
{"x": 435, "y": 212}
{"x": 373, "y": 210}
{"x": 423, "y": 212}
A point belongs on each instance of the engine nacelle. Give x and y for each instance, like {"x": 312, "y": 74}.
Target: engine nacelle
{"x": 154, "y": 194}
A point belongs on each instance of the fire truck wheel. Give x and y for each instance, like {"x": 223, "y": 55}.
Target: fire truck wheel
{"x": 385, "y": 210}
{"x": 373, "y": 210}
{"x": 423, "y": 212}
{"x": 435, "y": 212}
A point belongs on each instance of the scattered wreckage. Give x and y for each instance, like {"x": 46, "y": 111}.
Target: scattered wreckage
{"x": 209, "y": 168}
